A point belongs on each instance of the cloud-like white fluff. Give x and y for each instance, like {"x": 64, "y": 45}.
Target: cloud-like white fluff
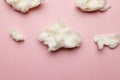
{"x": 107, "y": 40}
{"x": 60, "y": 36}
{"x": 16, "y": 35}
{"x": 24, "y": 5}
{"x": 92, "y": 5}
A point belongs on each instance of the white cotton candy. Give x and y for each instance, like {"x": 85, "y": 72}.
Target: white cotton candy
{"x": 107, "y": 40}
{"x": 92, "y": 5}
{"x": 60, "y": 36}
{"x": 24, "y": 5}
{"x": 16, "y": 35}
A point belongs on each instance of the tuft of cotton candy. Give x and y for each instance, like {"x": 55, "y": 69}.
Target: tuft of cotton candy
{"x": 60, "y": 36}
{"x": 107, "y": 40}
{"x": 24, "y": 5}
{"x": 16, "y": 35}
{"x": 92, "y": 5}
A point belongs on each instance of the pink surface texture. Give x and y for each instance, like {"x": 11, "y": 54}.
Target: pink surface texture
{"x": 30, "y": 60}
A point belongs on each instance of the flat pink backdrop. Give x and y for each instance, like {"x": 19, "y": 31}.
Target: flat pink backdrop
{"x": 31, "y": 60}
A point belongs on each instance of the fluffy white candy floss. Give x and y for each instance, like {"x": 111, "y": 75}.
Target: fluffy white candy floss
{"x": 92, "y": 5}
{"x": 24, "y": 5}
{"x": 107, "y": 40}
{"x": 60, "y": 36}
{"x": 16, "y": 35}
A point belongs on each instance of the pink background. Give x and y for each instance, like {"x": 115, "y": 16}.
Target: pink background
{"x": 31, "y": 60}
